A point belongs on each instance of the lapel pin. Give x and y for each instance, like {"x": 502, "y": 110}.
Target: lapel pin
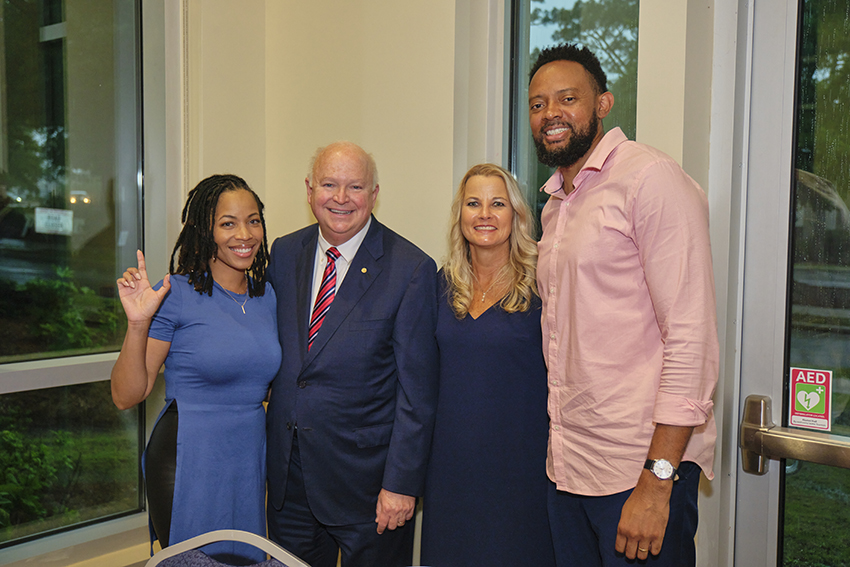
{"x": 363, "y": 270}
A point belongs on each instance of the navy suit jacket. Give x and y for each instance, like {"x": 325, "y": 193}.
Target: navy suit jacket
{"x": 364, "y": 396}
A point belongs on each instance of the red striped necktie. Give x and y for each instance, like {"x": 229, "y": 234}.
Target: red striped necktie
{"x": 325, "y": 296}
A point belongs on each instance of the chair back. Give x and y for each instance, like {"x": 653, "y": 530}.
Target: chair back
{"x": 186, "y": 554}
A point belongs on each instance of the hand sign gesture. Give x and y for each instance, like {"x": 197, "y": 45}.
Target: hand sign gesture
{"x": 138, "y": 298}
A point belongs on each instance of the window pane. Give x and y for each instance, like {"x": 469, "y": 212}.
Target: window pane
{"x": 816, "y": 497}
{"x": 68, "y": 196}
{"x": 67, "y": 456}
{"x": 69, "y": 224}
{"x": 609, "y": 28}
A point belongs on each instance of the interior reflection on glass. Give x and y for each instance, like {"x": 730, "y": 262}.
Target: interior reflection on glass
{"x": 817, "y": 497}
{"x": 68, "y": 102}
{"x": 69, "y": 158}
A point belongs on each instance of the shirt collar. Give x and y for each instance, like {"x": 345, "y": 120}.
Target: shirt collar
{"x": 348, "y": 248}
{"x": 603, "y": 149}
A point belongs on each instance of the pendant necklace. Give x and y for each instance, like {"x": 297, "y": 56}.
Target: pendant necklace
{"x": 483, "y": 295}
{"x": 495, "y": 281}
{"x": 241, "y": 305}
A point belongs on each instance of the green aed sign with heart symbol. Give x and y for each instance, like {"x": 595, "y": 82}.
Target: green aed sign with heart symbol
{"x": 811, "y": 398}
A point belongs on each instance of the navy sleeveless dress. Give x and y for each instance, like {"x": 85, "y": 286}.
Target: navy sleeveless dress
{"x": 486, "y": 488}
{"x": 218, "y": 369}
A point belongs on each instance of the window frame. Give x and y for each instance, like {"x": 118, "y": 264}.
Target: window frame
{"x": 63, "y": 371}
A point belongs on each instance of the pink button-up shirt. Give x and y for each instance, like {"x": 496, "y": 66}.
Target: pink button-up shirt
{"x": 629, "y": 323}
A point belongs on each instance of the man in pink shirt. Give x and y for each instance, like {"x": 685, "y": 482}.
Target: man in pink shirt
{"x": 629, "y": 328}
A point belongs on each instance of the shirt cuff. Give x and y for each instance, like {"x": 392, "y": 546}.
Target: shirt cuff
{"x": 685, "y": 412}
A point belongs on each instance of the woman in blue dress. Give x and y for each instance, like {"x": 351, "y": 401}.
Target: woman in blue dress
{"x": 212, "y": 322}
{"x": 485, "y": 491}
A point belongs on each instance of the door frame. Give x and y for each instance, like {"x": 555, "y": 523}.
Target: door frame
{"x": 753, "y": 92}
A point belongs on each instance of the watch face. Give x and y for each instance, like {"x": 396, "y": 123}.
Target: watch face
{"x": 662, "y": 469}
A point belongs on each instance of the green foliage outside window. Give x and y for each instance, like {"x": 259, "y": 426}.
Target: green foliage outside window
{"x": 30, "y": 489}
{"x": 69, "y": 219}
{"x": 56, "y": 315}
{"x": 67, "y": 455}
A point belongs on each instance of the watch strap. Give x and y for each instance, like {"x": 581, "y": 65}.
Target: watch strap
{"x": 650, "y": 464}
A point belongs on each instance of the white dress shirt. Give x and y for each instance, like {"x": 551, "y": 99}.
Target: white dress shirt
{"x": 347, "y": 251}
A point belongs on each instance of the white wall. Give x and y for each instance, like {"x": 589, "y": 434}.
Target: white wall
{"x": 270, "y": 81}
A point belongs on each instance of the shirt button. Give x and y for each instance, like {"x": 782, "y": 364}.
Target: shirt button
{"x": 552, "y": 289}
{"x": 552, "y": 336}
{"x": 302, "y": 384}
{"x": 555, "y": 245}
{"x": 557, "y": 428}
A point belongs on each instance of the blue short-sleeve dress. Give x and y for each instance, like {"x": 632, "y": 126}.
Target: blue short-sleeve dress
{"x": 219, "y": 367}
{"x": 486, "y": 488}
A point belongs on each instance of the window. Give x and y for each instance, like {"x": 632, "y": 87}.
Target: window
{"x": 815, "y": 498}
{"x": 69, "y": 223}
{"x": 609, "y": 28}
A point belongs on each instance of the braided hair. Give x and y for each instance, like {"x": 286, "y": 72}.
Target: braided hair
{"x": 196, "y": 244}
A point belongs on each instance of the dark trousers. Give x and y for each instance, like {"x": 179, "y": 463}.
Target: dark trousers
{"x": 296, "y": 528}
{"x": 584, "y": 528}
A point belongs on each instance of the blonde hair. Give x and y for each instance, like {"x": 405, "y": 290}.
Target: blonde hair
{"x": 522, "y": 262}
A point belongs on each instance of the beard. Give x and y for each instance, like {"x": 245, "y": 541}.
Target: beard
{"x": 576, "y": 148}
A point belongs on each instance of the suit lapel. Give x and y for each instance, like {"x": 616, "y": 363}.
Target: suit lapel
{"x": 362, "y": 273}
{"x": 304, "y": 286}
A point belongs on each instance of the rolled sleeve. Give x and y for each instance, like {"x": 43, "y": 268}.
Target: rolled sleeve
{"x": 671, "y": 231}
{"x": 676, "y": 410}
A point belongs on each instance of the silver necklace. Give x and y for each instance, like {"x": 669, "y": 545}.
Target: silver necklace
{"x": 495, "y": 281}
{"x": 483, "y": 295}
{"x": 241, "y": 305}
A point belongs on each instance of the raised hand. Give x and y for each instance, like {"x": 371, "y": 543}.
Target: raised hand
{"x": 139, "y": 299}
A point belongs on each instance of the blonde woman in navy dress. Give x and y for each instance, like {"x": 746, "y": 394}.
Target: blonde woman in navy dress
{"x": 485, "y": 493}
{"x": 212, "y": 322}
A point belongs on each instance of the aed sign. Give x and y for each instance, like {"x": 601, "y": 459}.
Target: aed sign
{"x": 811, "y": 398}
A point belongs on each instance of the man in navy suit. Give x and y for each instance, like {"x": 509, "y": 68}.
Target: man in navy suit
{"x": 352, "y": 409}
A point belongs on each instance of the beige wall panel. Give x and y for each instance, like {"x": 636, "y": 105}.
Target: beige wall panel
{"x": 675, "y": 61}
{"x": 226, "y": 90}
{"x": 378, "y": 73}
{"x": 661, "y": 75}
{"x": 697, "y": 104}
{"x": 480, "y": 87}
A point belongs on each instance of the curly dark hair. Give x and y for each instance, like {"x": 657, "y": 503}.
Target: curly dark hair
{"x": 196, "y": 244}
{"x": 571, "y": 52}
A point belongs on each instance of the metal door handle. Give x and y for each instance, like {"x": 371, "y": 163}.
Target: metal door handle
{"x": 762, "y": 440}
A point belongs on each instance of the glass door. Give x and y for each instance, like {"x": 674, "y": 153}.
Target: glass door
{"x": 793, "y": 504}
